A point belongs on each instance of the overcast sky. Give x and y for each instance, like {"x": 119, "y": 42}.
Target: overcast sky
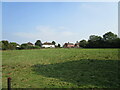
{"x": 57, "y": 21}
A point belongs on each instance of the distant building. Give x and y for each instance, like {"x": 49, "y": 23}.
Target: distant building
{"x": 30, "y": 44}
{"x": 68, "y": 45}
{"x": 76, "y": 45}
{"x": 48, "y": 45}
{"x": 18, "y": 46}
{"x": 71, "y": 45}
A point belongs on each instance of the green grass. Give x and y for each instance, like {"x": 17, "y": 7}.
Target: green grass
{"x": 61, "y": 68}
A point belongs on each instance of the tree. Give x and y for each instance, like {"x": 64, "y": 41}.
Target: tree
{"x": 13, "y": 45}
{"x": 95, "y": 41}
{"x": 83, "y": 43}
{"x": 5, "y": 45}
{"x": 95, "y": 38}
{"x": 0, "y": 45}
{"x": 53, "y": 42}
{"x": 117, "y": 42}
{"x": 59, "y": 45}
{"x": 24, "y": 46}
{"x": 8, "y": 46}
{"x": 110, "y": 39}
{"x": 28, "y": 46}
{"x": 109, "y": 36}
{"x": 38, "y": 43}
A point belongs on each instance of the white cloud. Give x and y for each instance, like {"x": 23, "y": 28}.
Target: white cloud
{"x": 46, "y": 33}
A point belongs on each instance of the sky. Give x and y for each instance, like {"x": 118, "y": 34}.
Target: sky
{"x": 61, "y": 22}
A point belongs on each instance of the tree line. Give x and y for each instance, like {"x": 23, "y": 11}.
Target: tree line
{"x": 6, "y": 45}
{"x": 108, "y": 40}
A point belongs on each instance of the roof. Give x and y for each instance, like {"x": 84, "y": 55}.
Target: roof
{"x": 47, "y": 43}
{"x": 29, "y": 43}
{"x": 77, "y": 43}
{"x": 69, "y": 43}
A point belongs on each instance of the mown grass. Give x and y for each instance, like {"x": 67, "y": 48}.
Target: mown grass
{"x": 61, "y": 68}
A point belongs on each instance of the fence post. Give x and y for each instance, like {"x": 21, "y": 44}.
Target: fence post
{"x": 9, "y": 83}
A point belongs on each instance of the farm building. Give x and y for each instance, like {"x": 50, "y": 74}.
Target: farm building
{"x": 76, "y": 45}
{"x": 71, "y": 45}
{"x": 30, "y": 44}
{"x": 68, "y": 45}
{"x": 48, "y": 45}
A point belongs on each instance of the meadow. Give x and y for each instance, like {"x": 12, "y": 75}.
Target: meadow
{"x": 61, "y": 68}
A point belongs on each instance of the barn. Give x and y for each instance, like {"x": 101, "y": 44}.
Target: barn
{"x": 48, "y": 45}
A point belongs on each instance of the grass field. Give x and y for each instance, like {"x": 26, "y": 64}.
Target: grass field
{"x": 61, "y": 68}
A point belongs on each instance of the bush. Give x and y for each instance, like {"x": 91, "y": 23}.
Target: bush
{"x": 26, "y": 46}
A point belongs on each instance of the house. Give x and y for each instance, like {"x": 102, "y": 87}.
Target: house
{"x": 77, "y": 45}
{"x": 17, "y": 46}
{"x": 48, "y": 45}
{"x": 68, "y": 45}
{"x": 30, "y": 44}
{"x": 71, "y": 45}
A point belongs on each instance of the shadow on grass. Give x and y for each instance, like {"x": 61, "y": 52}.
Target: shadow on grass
{"x": 89, "y": 73}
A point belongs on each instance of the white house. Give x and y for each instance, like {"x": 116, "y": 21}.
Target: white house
{"x": 18, "y": 46}
{"x": 48, "y": 45}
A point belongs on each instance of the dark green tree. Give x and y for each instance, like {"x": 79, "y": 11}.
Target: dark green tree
{"x": 38, "y": 43}
{"x": 95, "y": 41}
{"x": 53, "y": 42}
{"x": 95, "y": 38}
{"x": 109, "y": 36}
{"x": 5, "y": 45}
{"x": 59, "y": 45}
{"x": 110, "y": 40}
{"x": 83, "y": 43}
{"x": 0, "y": 45}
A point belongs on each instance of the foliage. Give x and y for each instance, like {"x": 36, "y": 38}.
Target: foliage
{"x": 38, "y": 43}
{"x": 36, "y": 47}
{"x": 59, "y": 45}
{"x": 109, "y": 36}
{"x": 5, "y": 45}
{"x": 53, "y": 42}
{"x": 95, "y": 41}
{"x": 27, "y": 46}
{"x": 24, "y": 46}
{"x": 13, "y": 45}
{"x": 109, "y": 40}
{"x": 0, "y": 45}
{"x": 83, "y": 43}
